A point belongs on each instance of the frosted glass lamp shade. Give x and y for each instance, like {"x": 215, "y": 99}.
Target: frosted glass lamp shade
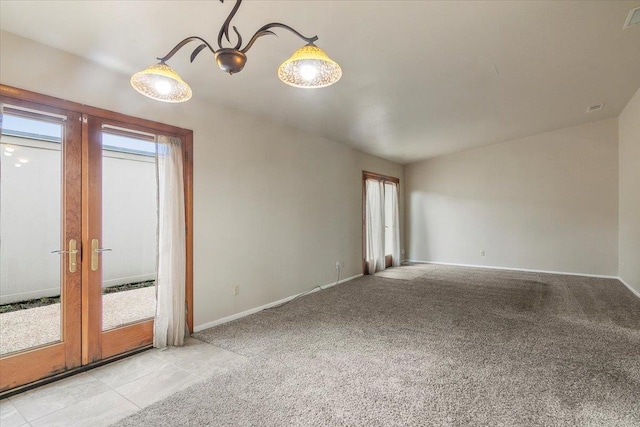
{"x": 161, "y": 83}
{"x": 309, "y": 67}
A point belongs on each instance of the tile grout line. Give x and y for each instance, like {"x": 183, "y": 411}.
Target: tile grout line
{"x": 66, "y": 407}
{"x": 9, "y": 399}
{"x": 117, "y": 392}
{"x": 27, "y": 423}
{"x": 220, "y": 347}
{"x": 128, "y": 400}
{"x": 165, "y": 363}
{"x": 109, "y": 388}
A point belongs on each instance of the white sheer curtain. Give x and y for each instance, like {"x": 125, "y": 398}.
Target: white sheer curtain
{"x": 374, "y": 225}
{"x": 170, "y": 320}
{"x": 395, "y": 223}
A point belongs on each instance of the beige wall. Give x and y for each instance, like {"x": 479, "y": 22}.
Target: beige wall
{"x": 274, "y": 208}
{"x": 629, "y": 237}
{"x": 546, "y": 202}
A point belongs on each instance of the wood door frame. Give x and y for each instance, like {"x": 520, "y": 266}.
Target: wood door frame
{"x": 97, "y": 343}
{"x": 378, "y": 177}
{"x": 91, "y": 224}
{"x": 53, "y": 358}
{"x": 22, "y": 96}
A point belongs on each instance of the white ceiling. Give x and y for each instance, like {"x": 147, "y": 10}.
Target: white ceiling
{"x": 421, "y": 78}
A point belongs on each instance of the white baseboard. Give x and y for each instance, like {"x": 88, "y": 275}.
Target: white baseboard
{"x": 236, "y": 316}
{"x": 566, "y": 273}
{"x": 636, "y": 293}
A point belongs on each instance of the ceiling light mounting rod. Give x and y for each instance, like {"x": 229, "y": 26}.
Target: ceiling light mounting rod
{"x": 225, "y": 27}
{"x": 263, "y": 31}
{"x": 309, "y": 67}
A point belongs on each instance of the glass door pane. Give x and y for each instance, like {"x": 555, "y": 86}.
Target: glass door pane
{"x": 30, "y": 230}
{"x": 129, "y": 227}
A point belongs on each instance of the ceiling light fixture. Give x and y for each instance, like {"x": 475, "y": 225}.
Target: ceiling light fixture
{"x": 632, "y": 19}
{"x": 308, "y": 67}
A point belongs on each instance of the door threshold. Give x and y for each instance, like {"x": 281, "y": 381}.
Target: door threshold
{"x": 70, "y": 373}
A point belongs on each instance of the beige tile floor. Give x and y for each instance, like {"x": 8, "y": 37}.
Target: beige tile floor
{"x": 104, "y": 395}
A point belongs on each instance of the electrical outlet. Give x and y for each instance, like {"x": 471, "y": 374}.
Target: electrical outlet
{"x": 236, "y": 290}
{"x": 482, "y": 253}
{"x": 402, "y": 252}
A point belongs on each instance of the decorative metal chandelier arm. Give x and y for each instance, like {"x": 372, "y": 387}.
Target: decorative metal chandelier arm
{"x": 184, "y": 42}
{"x": 225, "y": 27}
{"x": 264, "y": 31}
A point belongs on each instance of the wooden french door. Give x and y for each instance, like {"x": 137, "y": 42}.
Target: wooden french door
{"x": 58, "y": 159}
{"x": 101, "y": 339}
{"x": 66, "y": 181}
{"x": 54, "y": 169}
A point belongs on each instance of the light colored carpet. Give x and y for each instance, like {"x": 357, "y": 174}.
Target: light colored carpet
{"x": 455, "y": 347}
{"x": 37, "y": 326}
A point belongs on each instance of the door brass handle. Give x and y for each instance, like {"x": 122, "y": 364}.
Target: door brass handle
{"x": 95, "y": 251}
{"x": 73, "y": 253}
